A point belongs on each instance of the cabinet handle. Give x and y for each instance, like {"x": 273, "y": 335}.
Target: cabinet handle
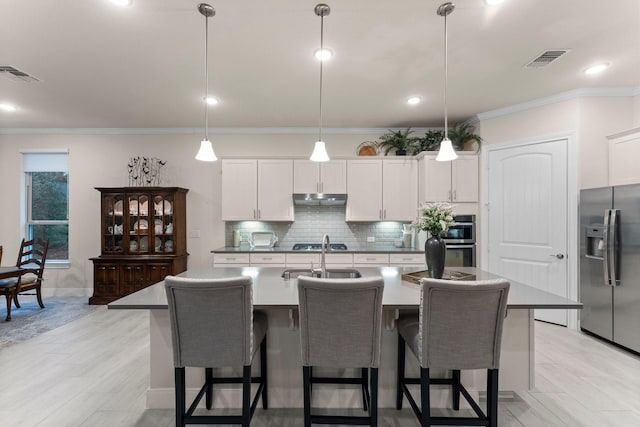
{"x": 380, "y": 214}
{"x": 449, "y": 192}
{"x": 322, "y": 187}
{"x": 455, "y": 195}
{"x": 254, "y": 214}
{"x": 384, "y": 214}
{"x": 259, "y": 214}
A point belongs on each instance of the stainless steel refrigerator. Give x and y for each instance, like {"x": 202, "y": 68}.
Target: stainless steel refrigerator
{"x": 610, "y": 263}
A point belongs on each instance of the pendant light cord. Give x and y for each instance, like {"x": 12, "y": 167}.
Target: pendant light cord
{"x": 206, "y": 78}
{"x": 446, "y": 78}
{"x": 321, "y": 61}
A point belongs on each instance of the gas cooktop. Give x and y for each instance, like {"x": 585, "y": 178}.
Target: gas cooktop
{"x": 318, "y": 246}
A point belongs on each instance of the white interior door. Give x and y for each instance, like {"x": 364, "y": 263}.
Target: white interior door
{"x": 527, "y": 233}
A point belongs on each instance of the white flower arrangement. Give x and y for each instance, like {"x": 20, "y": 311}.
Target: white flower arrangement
{"x": 436, "y": 218}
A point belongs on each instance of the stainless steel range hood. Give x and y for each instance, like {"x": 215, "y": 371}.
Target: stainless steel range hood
{"x": 319, "y": 199}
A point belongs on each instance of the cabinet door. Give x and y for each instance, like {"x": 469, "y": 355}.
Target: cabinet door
{"x": 333, "y": 177}
{"x": 105, "y": 280}
{"x": 364, "y": 189}
{"x": 275, "y": 189}
{"x": 435, "y": 180}
{"x": 239, "y": 189}
{"x": 132, "y": 278}
{"x": 399, "y": 189}
{"x": 156, "y": 272}
{"x": 464, "y": 179}
{"x": 306, "y": 176}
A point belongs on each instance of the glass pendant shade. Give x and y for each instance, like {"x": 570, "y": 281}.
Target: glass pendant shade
{"x": 446, "y": 152}
{"x": 319, "y": 153}
{"x": 205, "y": 153}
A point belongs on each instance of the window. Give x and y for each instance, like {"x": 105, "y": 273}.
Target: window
{"x": 47, "y": 202}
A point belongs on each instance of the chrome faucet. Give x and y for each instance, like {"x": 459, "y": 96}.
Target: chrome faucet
{"x": 324, "y": 247}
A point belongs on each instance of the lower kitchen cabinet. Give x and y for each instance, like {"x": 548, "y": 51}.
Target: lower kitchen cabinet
{"x": 409, "y": 260}
{"x": 115, "y": 278}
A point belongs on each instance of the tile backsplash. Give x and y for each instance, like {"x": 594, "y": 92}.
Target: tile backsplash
{"x": 311, "y": 222}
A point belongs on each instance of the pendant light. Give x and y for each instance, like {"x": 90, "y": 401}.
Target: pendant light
{"x": 320, "y": 151}
{"x": 446, "y": 152}
{"x": 206, "y": 153}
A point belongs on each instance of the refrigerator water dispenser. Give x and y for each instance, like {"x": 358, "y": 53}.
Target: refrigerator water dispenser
{"x": 595, "y": 241}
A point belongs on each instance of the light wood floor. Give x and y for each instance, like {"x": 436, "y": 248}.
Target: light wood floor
{"x": 94, "y": 372}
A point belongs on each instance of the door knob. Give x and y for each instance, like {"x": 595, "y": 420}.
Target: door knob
{"x": 559, "y": 256}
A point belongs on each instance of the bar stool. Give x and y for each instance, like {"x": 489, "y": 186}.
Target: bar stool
{"x": 459, "y": 327}
{"x": 340, "y": 327}
{"x": 213, "y": 325}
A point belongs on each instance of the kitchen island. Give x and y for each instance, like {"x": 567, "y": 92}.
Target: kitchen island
{"x": 279, "y": 299}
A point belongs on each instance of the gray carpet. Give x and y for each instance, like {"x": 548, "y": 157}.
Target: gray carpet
{"x": 30, "y": 320}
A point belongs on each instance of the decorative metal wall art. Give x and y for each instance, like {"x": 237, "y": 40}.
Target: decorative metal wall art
{"x": 144, "y": 171}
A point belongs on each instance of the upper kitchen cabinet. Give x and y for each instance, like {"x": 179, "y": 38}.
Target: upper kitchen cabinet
{"x": 382, "y": 190}
{"x": 257, "y": 190}
{"x": 326, "y": 177}
{"x": 624, "y": 152}
{"x": 455, "y": 181}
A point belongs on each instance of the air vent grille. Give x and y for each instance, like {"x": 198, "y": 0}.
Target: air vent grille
{"x": 16, "y": 75}
{"x": 546, "y": 58}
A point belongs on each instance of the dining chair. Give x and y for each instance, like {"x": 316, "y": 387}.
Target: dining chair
{"x": 32, "y": 256}
{"x": 213, "y": 325}
{"x": 459, "y": 326}
{"x": 340, "y": 327}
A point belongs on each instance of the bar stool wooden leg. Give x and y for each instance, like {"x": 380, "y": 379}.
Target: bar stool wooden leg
{"x": 455, "y": 389}
{"x": 365, "y": 388}
{"x": 400, "y": 371}
{"x": 180, "y": 396}
{"x": 374, "y": 397}
{"x": 425, "y": 399}
{"x": 208, "y": 377}
{"x": 306, "y": 374}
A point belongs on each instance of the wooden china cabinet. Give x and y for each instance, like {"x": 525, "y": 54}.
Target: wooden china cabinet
{"x": 143, "y": 239}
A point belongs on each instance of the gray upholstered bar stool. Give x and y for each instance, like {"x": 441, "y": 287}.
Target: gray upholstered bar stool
{"x": 459, "y": 327}
{"x": 213, "y": 325}
{"x": 340, "y": 327}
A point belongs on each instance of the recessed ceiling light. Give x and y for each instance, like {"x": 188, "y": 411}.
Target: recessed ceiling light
{"x": 8, "y": 108}
{"x": 323, "y": 55}
{"x": 598, "y": 68}
{"x": 212, "y": 101}
{"x": 413, "y": 100}
{"x": 122, "y": 2}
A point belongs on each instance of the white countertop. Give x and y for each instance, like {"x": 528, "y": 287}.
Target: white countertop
{"x": 270, "y": 290}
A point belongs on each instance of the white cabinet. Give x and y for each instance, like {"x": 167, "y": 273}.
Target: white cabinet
{"x": 399, "y": 189}
{"x": 305, "y": 260}
{"x": 370, "y": 259}
{"x": 339, "y": 260}
{"x": 396, "y": 260}
{"x": 257, "y": 190}
{"x": 326, "y": 177}
{"x": 455, "y": 181}
{"x": 267, "y": 259}
{"x": 382, "y": 190}
{"x": 364, "y": 190}
{"x": 624, "y": 152}
{"x": 230, "y": 260}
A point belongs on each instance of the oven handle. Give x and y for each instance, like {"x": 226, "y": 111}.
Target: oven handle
{"x": 449, "y": 242}
{"x": 461, "y": 246}
{"x": 463, "y": 223}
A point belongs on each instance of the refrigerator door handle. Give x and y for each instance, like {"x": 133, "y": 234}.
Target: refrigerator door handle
{"x": 614, "y": 246}
{"x": 605, "y": 252}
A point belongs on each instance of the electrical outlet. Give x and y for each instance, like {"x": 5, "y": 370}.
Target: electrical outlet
{"x": 371, "y": 239}
{"x": 194, "y": 234}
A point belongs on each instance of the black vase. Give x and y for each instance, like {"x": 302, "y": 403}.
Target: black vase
{"x": 435, "y": 250}
{"x": 401, "y": 152}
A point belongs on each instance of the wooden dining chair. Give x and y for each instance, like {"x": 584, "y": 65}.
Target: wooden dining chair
{"x": 32, "y": 256}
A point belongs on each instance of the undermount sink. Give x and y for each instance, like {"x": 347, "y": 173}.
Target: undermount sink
{"x": 332, "y": 273}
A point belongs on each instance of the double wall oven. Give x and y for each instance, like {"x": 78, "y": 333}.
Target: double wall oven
{"x": 461, "y": 242}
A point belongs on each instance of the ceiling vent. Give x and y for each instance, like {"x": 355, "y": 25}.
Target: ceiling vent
{"x": 546, "y": 58}
{"x": 16, "y": 75}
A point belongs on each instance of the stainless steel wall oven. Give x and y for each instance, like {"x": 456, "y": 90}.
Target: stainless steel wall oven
{"x": 461, "y": 242}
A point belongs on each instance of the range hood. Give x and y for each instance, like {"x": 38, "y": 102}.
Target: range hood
{"x": 319, "y": 199}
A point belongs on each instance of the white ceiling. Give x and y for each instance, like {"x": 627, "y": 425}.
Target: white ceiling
{"x": 143, "y": 66}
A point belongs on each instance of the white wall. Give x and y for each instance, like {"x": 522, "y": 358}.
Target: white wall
{"x": 101, "y": 161}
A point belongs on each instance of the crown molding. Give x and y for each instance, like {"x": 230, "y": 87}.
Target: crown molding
{"x": 560, "y": 97}
{"x": 197, "y": 131}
